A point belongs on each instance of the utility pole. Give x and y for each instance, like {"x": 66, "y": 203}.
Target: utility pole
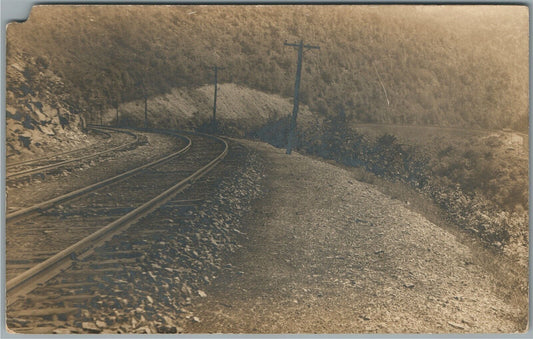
{"x": 116, "y": 101}
{"x": 214, "y": 122}
{"x": 145, "y": 96}
{"x": 145, "y": 111}
{"x": 292, "y": 125}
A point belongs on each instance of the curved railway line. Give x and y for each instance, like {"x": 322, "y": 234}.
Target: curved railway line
{"x": 111, "y": 278}
{"x": 39, "y": 207}
{"x": 41, "y": 166}
{"x": 67, "y": 229}
{"x": 76, "y": 150}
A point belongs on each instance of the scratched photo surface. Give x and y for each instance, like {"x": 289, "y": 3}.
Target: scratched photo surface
{"x": 267, "y": 169}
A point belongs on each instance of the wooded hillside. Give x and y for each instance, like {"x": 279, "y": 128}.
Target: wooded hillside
{"x": 436, "y": 65}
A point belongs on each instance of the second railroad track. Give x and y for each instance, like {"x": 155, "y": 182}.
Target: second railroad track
{"x": 116, "y": 140}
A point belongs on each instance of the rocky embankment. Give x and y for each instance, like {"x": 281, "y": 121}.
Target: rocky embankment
{"x": 38, "y": 121}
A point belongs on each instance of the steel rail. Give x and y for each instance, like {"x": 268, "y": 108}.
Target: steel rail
{"x": 24, "y": 212}
{"x": 60, "y": 164}
{"x": 25, "y": 162}
{"x": 40, "y": 273}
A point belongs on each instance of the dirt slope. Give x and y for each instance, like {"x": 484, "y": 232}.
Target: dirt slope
{"x": 239, "y": 109}
{"x": 324, "y": 253}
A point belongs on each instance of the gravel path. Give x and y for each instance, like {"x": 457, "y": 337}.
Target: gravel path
{"x": 325, "y": 253}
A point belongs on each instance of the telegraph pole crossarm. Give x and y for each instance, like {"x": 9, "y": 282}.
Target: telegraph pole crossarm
{"x": 307, "y": 47}
{"x": 292, "y": 125}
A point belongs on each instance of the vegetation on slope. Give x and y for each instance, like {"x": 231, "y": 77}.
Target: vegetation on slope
{"x": 453, "y": 65}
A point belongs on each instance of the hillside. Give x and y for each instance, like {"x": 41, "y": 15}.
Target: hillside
{"x": 437, "y": 65}
{"x": 240, "y": 110}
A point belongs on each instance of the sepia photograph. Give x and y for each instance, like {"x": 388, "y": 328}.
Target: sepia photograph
{"x": 266, "y": 169}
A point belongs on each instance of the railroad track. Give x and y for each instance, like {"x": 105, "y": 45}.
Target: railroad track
{"x": 26, "y": 212}
{"x": 94, "y": 214}
{"x": 50, "y": 164}
{"x": 92, "y": 273}
{"x": 77, "y": 150}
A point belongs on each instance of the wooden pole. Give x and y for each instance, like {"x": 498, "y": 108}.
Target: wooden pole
{"x": 214, "y": 122}
{"x": 145, "y": 111}
{"x": 292, "y": 124}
